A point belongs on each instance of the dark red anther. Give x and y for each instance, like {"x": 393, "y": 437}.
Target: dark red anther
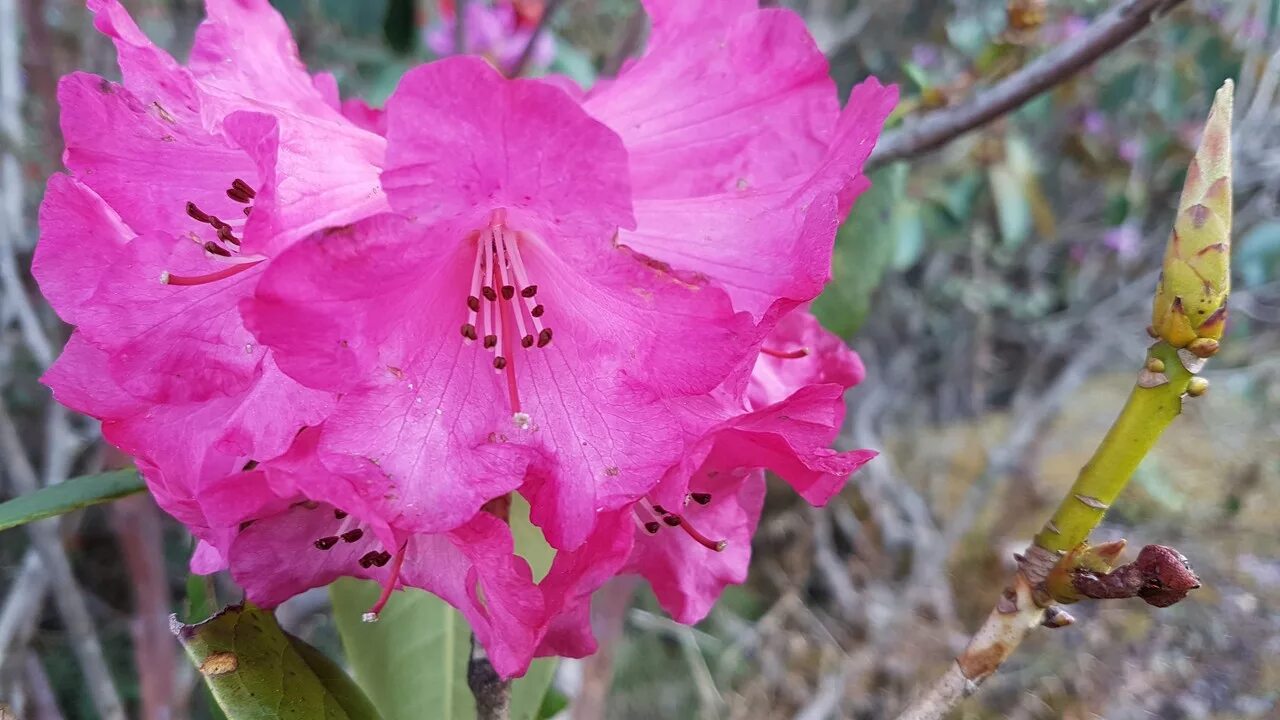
{"x": 196, "y": 213}
{"x": 508, "y": 292}
{"x": 544, "y": 337}
{"x": 236, "y": 194}
{"x": 529, "y": 291}
{"x": 469, "y": 331}
{"x": 351, "y": 536}
{"x": 243, "y": 188}
{"x": 325, "y": 543}
{"x": 383, "y": 558}
{"x": 247, "y": 211}
{"x": 339, "y": 514}
{"x": 671, "y": 520}
{"x": 226, "y": 236}
{"x": 700, "y": 498}
{"x": 499, "y": 363}
{"x": 526, "y": 341}
{"x": 473, "y": 303}
{"x": 249, "y": 466}
{"x": 490, "y": 341}
{"x": 652, "y": 527}
{"x": 659, "y": 509}
{"x": 537, "y": 311}
{"x": 368, "y": 559}
{"x": 489, "y": 293}
{"x": 215, "y": 249}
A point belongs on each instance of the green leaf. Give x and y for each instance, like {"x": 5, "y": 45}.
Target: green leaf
{"x": 413, "y": 661}
{"x": 256, "y": 671}
{"x": 864, "y": 249}
{"x": 74, "y": 494}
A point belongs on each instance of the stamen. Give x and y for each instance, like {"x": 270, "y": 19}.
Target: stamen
{"x": 389, "y": 587}
{"x": 529, "y": 290}
{"x": 700, "y": 498}
{"x": 644, "y": 520}
{"x": 339, "y": 514}
{"x": 244, "y": 187}
{"x": 230, "y": 271}
{"x": 351, "y": 536}
{"x": 325, "y": 543}
{"x": 226, "y": 236}
{"x": 703, "y": 540}
{"x": 544, "y": 337}
{"x": 473, "y": 301}
{"x": 367, "y": 560}
{"x": 196, "y": 213}
{"x": 216, "y": 249}
{"x": 785, "y": 354}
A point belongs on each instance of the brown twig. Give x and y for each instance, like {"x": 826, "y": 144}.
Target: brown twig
{"x": 492, "y": 693}
{"x": 460, "y": 27}
{"x": 136, "y": 522}
{"x": 530, "y": 47}
{"x": 70, "y": 601}
{"x": 1105, "y": 34}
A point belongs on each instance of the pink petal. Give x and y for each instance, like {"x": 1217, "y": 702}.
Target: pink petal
{"x": 149, "y": 72}
{"x": 574, "y": 576}
{"x": 772, "y": 241}
{"x": 739, "y": 100}
{"x": 244, "y": 55}
{"x": 80, "y": 237}
{"x": 80, "y": 379}
{"x": 463, "y": 140}
{"x": 687, "y": 577}
{"x": 826, "y": 360}
{"x": 473, "y": 568}
{"x": 314, "y": 175}
{"x": 144, "y": 164}
{"x": 172, "y": 343}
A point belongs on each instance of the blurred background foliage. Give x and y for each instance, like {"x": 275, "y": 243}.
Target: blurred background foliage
{"x": 996, "y": 289}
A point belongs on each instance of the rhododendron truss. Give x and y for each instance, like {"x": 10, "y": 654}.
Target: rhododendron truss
{"x": 343, "y": 337}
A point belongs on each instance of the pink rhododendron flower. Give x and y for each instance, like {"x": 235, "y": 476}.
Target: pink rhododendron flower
{"x": 193, "y": 175}
{"x": 526, "y": 217}
{"x": 499, "y": 32}
{"x": 691, "y": 536}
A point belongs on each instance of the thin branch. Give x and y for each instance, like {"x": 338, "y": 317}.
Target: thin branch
{"x": 492, "y": 693}
{"x": 460, "y": 27}
{"x": 1105, "y": 34}
{"x": 530, "y": 47}
{"x": 70, "y": 601}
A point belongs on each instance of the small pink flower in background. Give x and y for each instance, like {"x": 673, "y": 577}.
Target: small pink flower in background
{"x": 499, "y": 31}
{"x": 1125, "y": 240}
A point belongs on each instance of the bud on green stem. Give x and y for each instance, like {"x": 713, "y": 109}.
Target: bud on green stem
{"x": 1190, "y": 308}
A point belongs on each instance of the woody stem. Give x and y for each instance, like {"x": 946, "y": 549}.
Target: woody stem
{"x": 1145, "y": 415}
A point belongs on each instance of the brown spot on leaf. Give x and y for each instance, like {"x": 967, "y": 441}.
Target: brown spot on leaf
{"x": 219, "y": 663}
